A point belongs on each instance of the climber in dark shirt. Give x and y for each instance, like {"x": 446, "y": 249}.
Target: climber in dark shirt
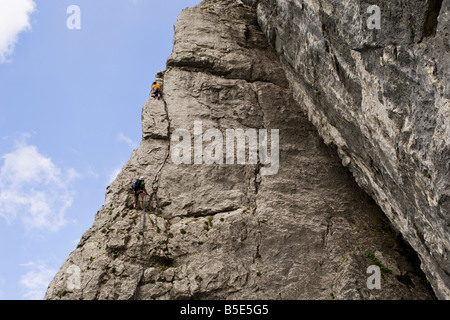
{"x": 139, "y": 192}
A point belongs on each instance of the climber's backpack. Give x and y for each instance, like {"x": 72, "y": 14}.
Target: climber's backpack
{"x": 137, "y": 185}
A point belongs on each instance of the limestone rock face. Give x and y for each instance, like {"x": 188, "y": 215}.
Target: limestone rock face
{"x": 381, "y": 96}
{"x": 229, "y": 230}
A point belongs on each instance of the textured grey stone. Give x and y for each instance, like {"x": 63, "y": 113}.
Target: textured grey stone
{"x": 227, "y": 231}
{"x": 382, "y": 97}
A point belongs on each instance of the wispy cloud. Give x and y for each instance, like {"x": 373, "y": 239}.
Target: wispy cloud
{"x": 14, "y": 19}
{"x": 131, "y": 144}
{"x": 35, "y": 281}
{"x": 114, "y": 175}
{"x": 135, "y": 2}
{"x": 34, "y": 189}
{"x": 2, "y": 283}
{"x": 122, "y": 138}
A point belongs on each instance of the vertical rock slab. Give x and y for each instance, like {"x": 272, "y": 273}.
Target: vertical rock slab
{"x": 381, "y": 96}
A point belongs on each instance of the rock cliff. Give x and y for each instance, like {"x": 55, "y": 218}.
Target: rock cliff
{"x": 216, "y": 228}
{"x": 381, "y": 95}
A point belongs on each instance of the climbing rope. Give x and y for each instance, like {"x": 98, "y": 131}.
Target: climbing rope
{"x": 155, "y": 186}
{"x": 141, "y": 269}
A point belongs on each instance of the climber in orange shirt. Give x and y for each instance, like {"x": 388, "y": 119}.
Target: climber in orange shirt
{"x": 156, "y": 90}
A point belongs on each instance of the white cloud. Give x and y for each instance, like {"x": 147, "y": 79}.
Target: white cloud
{"x": 2, "y": 283}
{"x": 35, "y": 281}
{"x": 14, "y": 19}
{"x": 33, "y": 188}
{"x": 131, "y": 144}
{"x": 122, "y": 138}
{"x": 114, "y": 175}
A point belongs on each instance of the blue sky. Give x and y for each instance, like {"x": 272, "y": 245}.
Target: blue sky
{"x": 70, "y": 116}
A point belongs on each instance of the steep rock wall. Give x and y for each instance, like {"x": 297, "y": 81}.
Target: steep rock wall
{"x": 382, "y": 97}
{"x": 228, "y": 231}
